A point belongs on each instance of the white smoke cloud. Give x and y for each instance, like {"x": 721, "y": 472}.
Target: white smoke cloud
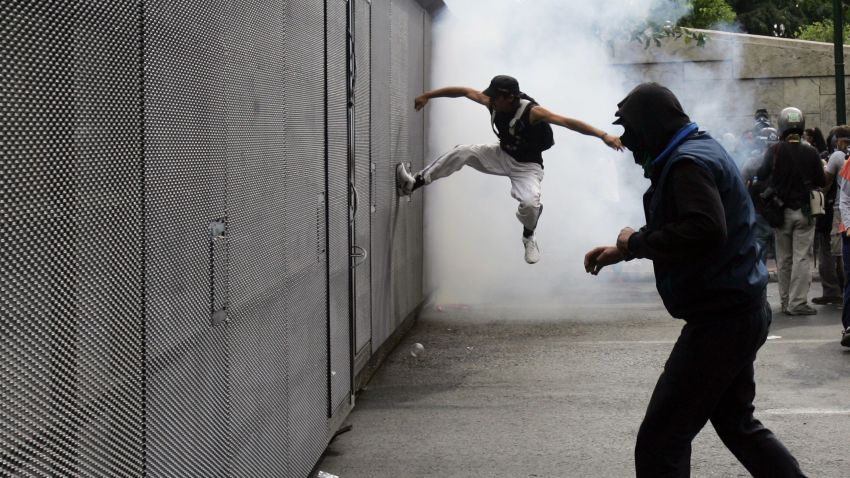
{"x": 558, "y": 51}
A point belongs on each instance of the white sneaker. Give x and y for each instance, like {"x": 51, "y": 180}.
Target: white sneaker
{"x": 532, "y": 252}
{"x": 403, "y": 180}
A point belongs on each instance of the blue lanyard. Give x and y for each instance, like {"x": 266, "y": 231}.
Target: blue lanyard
{"x": 683, "y": 133}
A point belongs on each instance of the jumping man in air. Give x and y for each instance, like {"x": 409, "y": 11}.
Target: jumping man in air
{"x": 524, "y": 133}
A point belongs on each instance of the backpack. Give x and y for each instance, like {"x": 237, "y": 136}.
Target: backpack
{"x": 544, "y": 138}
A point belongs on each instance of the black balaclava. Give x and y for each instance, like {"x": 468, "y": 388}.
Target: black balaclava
{"x": 651, "y": 115}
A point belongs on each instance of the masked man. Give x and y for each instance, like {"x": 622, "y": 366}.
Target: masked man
{"x": 522, "y": 127}
{"x": 699, "y": 235}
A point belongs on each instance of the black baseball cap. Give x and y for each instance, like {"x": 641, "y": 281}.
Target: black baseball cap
{"x": 502, "y": 84}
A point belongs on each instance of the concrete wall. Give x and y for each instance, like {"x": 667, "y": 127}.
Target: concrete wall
{"x": 723, "y": 83}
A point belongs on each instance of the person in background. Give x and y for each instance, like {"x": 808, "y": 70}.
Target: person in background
{"x": 747, "y": 143}
{"x": 762, "y": 120}
{"x": 844, "y": 228}
{"x": 814, "y": 137}
{"x": 793, "y": 170}
{"x": 763, "y": 232}
{"x": 699, "y": 236}
{"x": 827, "y": 235}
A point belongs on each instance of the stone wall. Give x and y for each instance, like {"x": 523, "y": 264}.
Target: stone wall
{"x": 722, "y": 83}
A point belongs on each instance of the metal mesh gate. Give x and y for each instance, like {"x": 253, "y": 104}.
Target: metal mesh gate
{"x": 175, "y": 261}
{"x": 407, "y": 78}
{"x": 72, "y": 244}
{"x": 338, "y": 207}
{"x": 256, "y": 174}
{"x": 397, "y": 135}
{"x": 305, "y": 241}
{"x": 383, "y": 182}
{"x": 188, "y": 399}
{"x": 362, "y": 166}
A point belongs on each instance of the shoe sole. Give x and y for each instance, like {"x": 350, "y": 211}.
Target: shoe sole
{"x": 399, "y": 180}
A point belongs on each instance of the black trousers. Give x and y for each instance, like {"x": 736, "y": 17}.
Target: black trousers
{"x": 709, "y": 376}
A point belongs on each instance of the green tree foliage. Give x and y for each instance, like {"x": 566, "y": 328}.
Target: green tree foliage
{"x": 768, "y": 17}
{"x": 780, "y": 17}
{"x": 652, "y": 33}
{"x": 707, "y": 13}
{"x": 821, "y": 31}
{"x": 659, "y": 25}
{"x": 805, "y": 19}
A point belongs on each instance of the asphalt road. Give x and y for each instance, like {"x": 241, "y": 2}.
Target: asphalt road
{"x": 560, "y": 392}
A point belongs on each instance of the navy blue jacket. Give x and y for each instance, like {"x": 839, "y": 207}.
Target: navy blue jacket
{"x": 710, "y": 280}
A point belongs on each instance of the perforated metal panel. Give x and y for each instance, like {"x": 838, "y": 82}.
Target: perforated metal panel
{"x": 305, "y": 288}
{"x": 188, "y": 396}
{"x": 383, "y": 174}
{"x": 175, "y": 234}
{"x": 338, "y": 179}
{"x": 256, "y": 177}
{"x": 408, "y": 251}
{"x": 400, "y": 110}
{"x": 400, "y": 117}
{"x": 71, "y": 261}
{"x": 398, "y": 43}
{"x": 362, "y": 160}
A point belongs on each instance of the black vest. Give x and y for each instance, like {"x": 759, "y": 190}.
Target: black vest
{"x": 518, "y": 137}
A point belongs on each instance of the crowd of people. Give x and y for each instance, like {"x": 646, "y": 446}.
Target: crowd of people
{"x": 790, "y": 171}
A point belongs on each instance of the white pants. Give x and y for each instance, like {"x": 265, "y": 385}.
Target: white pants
{"x": 491, "y": 159}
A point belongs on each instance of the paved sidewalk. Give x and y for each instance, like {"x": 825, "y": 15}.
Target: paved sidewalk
{"x": 500, "y": 392}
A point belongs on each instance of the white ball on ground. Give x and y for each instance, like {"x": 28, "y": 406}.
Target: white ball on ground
{"x": 417, "y": 350}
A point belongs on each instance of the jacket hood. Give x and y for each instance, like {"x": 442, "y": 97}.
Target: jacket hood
{"x": 653, "y": 114}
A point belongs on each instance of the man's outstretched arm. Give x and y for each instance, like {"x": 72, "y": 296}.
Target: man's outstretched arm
{"x": 601, "y": 257}
{"x": 451, "y": 92}
{"x": 539, "y": 113}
